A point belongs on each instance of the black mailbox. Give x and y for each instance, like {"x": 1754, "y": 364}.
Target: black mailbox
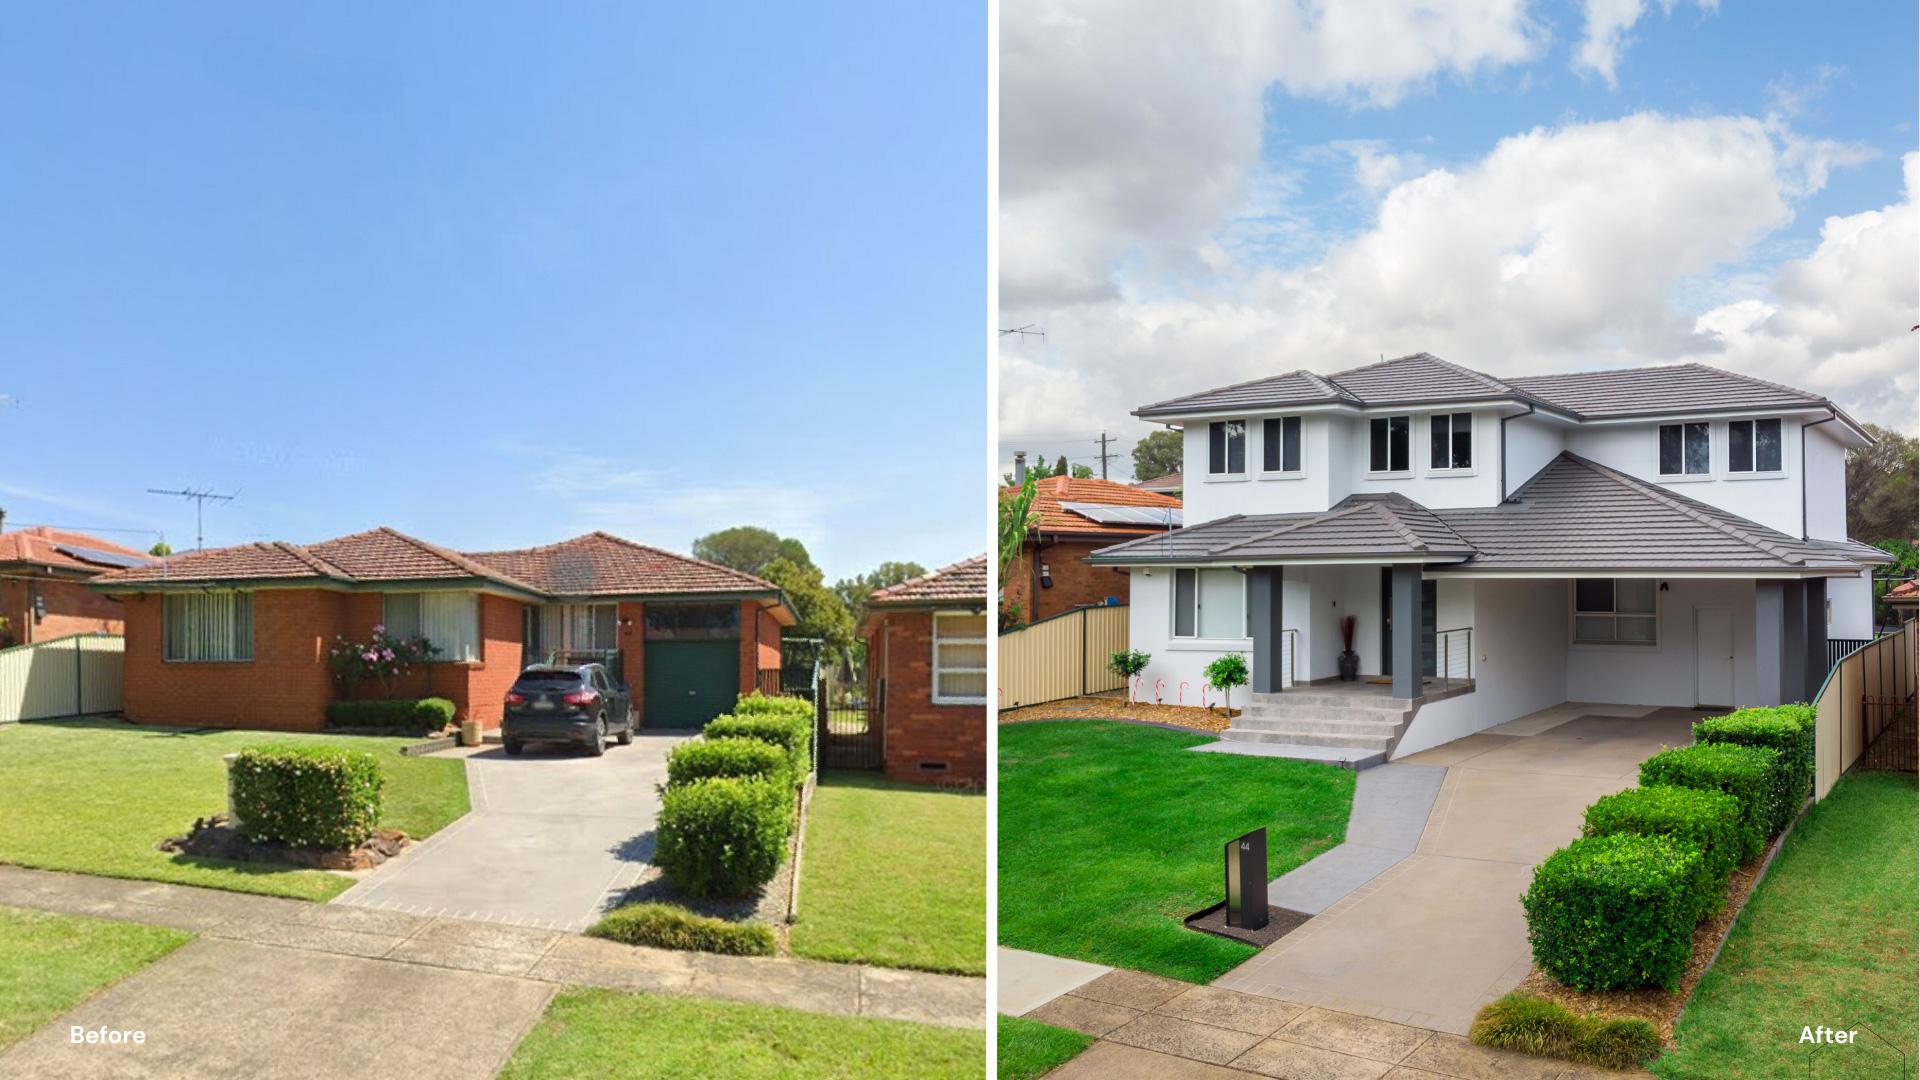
{"x": 1247, "y": 881}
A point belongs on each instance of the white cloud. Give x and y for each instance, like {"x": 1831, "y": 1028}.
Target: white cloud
{"x": 1604, "y": 35}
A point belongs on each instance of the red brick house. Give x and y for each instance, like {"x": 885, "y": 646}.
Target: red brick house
{"x": 1073, "y": 518}
{"x": 43, "y": 584}
{"x": 239, "y": 636}
{"x": 927, "y": 673}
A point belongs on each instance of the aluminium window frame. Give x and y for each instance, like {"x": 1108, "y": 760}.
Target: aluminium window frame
{"x": 1575, "y": 613}
{"x": 1659, "y": 466}
{"x": 1390, "y": 472}
{"x": 935, "y": 668}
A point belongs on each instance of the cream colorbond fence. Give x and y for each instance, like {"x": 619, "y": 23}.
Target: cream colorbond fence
{"x": 1868, "y": 696}
{"x": 1062, "y": 656}
{"x": 65, "y": 676}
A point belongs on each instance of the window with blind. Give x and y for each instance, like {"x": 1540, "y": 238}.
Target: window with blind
{"x": 450, "y": 621}
{"x": 214, "y": 627}
{"x": 959, "y": 659}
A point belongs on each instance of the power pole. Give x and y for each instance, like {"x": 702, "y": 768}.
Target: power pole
{"x": 199, "y": 498}
{"x": 1105, "y": 454}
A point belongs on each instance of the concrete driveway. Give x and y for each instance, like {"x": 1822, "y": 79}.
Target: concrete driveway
{"x": 554, "y": 838}
{"x": 1440, "y": 933}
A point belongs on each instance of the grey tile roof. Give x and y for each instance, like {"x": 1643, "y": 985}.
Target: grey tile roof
{"x": 1659, "y": 390}
{"x": 1293, "y": 388}
{"x": 1418, "y": 378}
{"x": 1575, "y": 515}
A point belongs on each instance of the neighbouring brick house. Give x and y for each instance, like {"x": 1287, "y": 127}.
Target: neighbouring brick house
{"x": 927, "y": 673}
{"x": 1072, "y": 518}
{"x": 43, "y": 584}
{"x": 239, "y": 636}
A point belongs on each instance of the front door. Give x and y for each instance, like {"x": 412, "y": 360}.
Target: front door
{"x": 690, "y": 682}
{"x": 1713, "y": 657}
{"x": 1429, "y": 624}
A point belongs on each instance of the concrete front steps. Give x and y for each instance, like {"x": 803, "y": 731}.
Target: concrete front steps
{"x": 1354, "y": 730}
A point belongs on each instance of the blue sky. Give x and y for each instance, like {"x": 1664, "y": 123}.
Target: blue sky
{"x": 495, "y": 277}
{"x": 1518, "y": 186}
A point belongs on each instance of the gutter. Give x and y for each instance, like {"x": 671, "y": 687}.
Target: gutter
{"x": 1803, "y": 472}
{"x": 1503, "y": 448}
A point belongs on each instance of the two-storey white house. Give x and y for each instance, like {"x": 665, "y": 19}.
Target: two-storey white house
{"x": 1657, "y": 536}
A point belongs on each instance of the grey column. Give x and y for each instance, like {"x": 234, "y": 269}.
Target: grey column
{"x": 1813, "y": 669}
{"x": 1770, "y": 633}
{"x": 1406, "y": 630}
{"x": 1263, "y": 594}
{"x": 1793, "y": 639}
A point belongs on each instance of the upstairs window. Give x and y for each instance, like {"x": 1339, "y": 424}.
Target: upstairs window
{"x": 1227, "y": 448}
{"x": 214, "y": 627}
{"x": 1280, "y": 444}
{"x": 1614, "y": 611}
{"x": 1684, "y": 449}
{"x": 1209, "y": 604}
{"x": 1452, "y": 441}
{"x": 1753, "y": 446}
{"x": 450, "y": 621}
{"x": 1387, "y": 445}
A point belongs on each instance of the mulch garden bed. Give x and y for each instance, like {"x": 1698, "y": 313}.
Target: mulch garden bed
{"x": 1191, "y": 717}
{"x": 1280, "y": 922}
{"x": 213, "y": 837}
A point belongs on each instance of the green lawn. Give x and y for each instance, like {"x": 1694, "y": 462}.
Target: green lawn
{"x": 1111, "y": 833}
{"x": 616, "y": 1036}
{"x": 1030, "y": 1049}
{"x": 1827, "y": 939}
{"x": 95, "y": 796}
{"x": 894, "y": 874}
{"x": 50, "y": 963}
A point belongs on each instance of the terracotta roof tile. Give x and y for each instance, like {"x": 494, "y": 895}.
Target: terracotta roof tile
{"x": 40, "y": 545}
{"x": 601, "y": 564}
{"x": 1906, "y": 590}
{"x": 1050, "y": 516}
{"x": 963, "y": 581}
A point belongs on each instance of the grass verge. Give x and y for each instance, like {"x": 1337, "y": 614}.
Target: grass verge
{"x": 50, "y": 963}
{"x": 1828, "y": 938}
{"x": 95, "y": 796}
{"x": 894, "y": 875}
{"x": 1111, "y": 833}
{"x": 607, "y": 1034}
{"x": 1028, "y": 1049}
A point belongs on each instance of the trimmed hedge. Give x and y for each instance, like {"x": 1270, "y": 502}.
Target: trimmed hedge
{"x": 1746, "y": 773}
{"x": 1534, "y": 1025}
{"x": 421, "y": 716}
{"x": 664, "y": 926}
{"x": 1615, "y": 912}
{"x": 791, "y": 734}
{"x": 307, "y": 796}
{"x": 758, "y": 704}
{"x": 1708, "y": 821}
{"x": 699, "y": 759}
{"x": 723, "y": 836}
{"x": 1785, "y": 729}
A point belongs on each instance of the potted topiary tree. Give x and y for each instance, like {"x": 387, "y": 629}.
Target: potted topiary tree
{"x": 1226, "y": 673}
{"x": 1127, "y": 665}
{"x": 1349, "y": 660}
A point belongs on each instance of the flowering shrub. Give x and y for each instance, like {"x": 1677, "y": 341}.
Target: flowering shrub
{"x": 382, "y": 657}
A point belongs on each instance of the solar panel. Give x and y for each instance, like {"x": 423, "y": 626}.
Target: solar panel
{"x": 1161, "y": 516}
{"x": 101, "y": 558}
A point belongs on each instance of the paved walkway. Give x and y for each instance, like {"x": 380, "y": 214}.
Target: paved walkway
{"x": 1024, "y": 981}
{"x": 446, "y": 963}
{"x": 555, "y": 837}
{"x": 1440, "y": 933}
{"x": 1391, "y": 804}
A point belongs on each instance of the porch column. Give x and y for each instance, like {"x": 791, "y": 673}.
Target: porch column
{"x": 1263, "y": 598}
{"x": 1793, "y": 639}
{"x": 1773, "y": 646}
{"x": 1813, "y": 668}
{"x": 1405, "y": 646}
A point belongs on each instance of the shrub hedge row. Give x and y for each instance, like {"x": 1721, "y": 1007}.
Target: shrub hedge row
{"x": 419, "y": 716}
{"x": 664, "y": 926}
{"x": 1608, "y": 912}
{"x": 1744, "y": 772}
{"x": 1788, "y": 731}
{"x": 792, "y": 734}
{"x": 698, "y": 759}
{"x": 317, "y": 796}
{"x": 1708, "y": 821}
{"x": 724, "y": 835}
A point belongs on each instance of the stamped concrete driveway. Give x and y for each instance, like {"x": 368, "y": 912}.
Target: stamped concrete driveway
{"x": 1441, "y": 932}
{"x": 554, "y": 838}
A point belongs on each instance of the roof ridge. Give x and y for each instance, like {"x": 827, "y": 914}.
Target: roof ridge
{"x": 638, "y": 546}
{"x": 1386, "y": 513}
{"x": 1323, "y": 516}
{"x": 320, "y": 565}
{"x": 1690, "y": 508}
{"x": 1234, "y": 386}
{"x": 459, "y": 559}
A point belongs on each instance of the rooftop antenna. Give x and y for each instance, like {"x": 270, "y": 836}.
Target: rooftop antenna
{"x": 1024, "y": 331}
{"x": 199, "y": 497}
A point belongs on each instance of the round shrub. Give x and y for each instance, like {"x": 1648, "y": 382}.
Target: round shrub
{"x": 1785, "y": 729}
{"x": 792, "y": 735}
{"x": 307, "y": 796}
{"x": 1746, "y": 773}
{"x": 1708, "y": 821}
{"x": 415, "y": 716}
{"x": 1614, "y": 912}
{"x": 723, "y": 836}
{"x": 664, "y": 926}
{"x": 699, "y": 759}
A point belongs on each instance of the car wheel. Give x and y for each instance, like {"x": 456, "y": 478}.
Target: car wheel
{"x": 512, "y": 747}
{"x": 626, "y": 733}
{"x": 599, "y": 744}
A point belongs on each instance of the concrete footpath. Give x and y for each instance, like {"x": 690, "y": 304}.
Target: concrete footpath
{"x": 284, "y": 988}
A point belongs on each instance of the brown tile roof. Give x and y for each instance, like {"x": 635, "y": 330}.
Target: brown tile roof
{"x": 1903, "y": 591}
{"x": 1172, "y": 481}
{"x": 242, "y": 562}
{"x": 601, "y": 564}
{"x": 40, "y": 545}
{"x": 1050, "y": 516}
{"x": 963, "y": 581}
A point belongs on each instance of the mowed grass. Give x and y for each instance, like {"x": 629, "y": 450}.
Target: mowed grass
{"x": 1828, "y": 938}
{"x": 618, "y": 1036}
{"x": 50, "y": 963}
{"x": 1111, "y": 834}
{"x": 894, "y": 875}
{"x": 95, "y": 796}
{"x": 1028, "y": 1049}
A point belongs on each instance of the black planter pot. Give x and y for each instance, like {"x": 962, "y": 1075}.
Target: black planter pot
{"x": 1349, "y": 666}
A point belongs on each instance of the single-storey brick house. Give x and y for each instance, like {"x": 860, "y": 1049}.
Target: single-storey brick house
{"x": 43, "y": 584}
{"x": 1073, "y": 518}
{"x": 239, "y": 636}
{"x": 927, "y": 673}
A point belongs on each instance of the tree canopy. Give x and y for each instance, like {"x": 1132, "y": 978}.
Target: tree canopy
{"x": 1882, "y": 487}
{"x": 749, "y": 548}
{"x": 1040, "y": 470}
{"x": 1156, "y": 455}
{"x": 853, "y": 591}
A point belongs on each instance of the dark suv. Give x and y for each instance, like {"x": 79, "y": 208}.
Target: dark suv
{"x": 552, "y": 703}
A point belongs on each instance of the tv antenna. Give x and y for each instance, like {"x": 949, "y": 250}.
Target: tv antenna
{"x": 1024, "y": 331}
{"x": 199, "y": 497}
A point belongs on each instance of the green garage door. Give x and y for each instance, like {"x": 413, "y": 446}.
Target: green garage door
{"x": 690, "y": 682}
